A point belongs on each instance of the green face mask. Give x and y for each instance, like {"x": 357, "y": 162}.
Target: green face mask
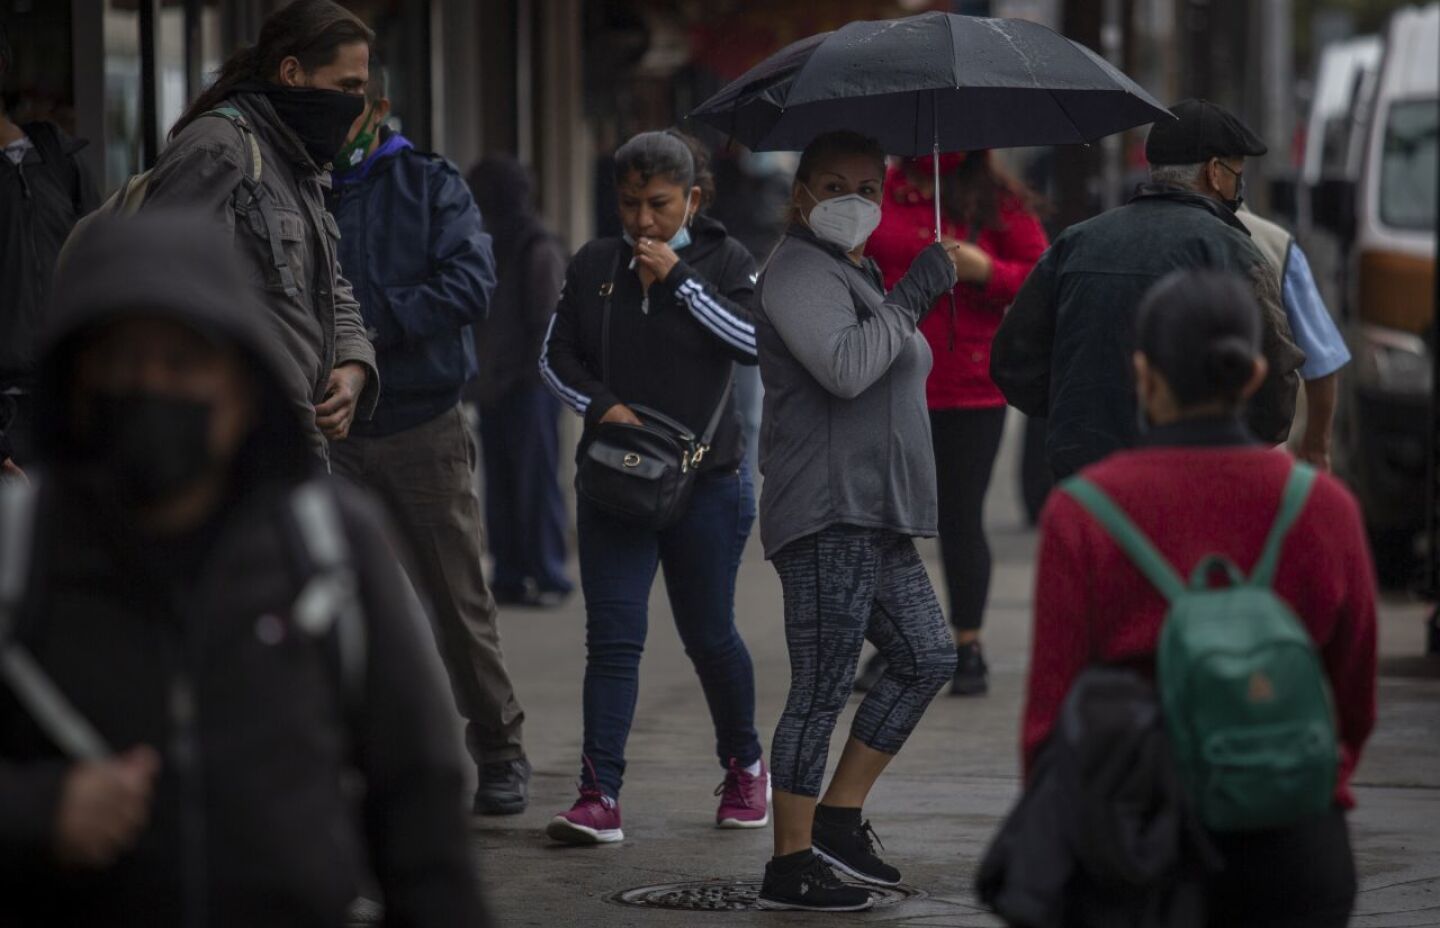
{"x": 349, "y": 157}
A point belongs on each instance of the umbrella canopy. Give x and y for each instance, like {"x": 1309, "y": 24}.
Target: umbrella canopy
{"x": 937, "y": 81}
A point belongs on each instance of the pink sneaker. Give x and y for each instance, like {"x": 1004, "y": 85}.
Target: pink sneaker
{"x": 593, "y": 819}
{"x": 744, "y": 799}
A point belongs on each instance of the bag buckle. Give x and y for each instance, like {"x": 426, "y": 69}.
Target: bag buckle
{"x": 631, "y": 460}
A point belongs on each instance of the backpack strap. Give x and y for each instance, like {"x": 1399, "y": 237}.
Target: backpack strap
{"x": 1297, "y": 493}
{"x": 57, "y": 717}
{"x": 237, "y": 119}
{"x": 330, "y": 599}
{"x": 1127, "y": 535}
{"x": 262, "y": 202}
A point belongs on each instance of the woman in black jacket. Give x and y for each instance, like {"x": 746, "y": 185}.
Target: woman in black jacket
{"x": 675, "y": 286}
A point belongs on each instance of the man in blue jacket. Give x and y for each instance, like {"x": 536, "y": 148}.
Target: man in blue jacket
{"x": 414, "y": 247}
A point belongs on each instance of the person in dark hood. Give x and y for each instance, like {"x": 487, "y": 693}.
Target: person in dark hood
{"x": 171, "y": 600}
{"x": 423, "y": 270}
{"x": 1063, "y": 349}
{"x": 519, "y": 418}
{"x": 254, "y": 151}
{"x": 44, "y": 189}
{"x": 656, "y": 319}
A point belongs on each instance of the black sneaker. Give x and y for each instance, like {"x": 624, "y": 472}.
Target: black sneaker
{"x": 851, "y": 850}
{"x": 811, "y": 887}
{"x": 871, "y": 673}
{"x": 504, "y": 788}
{"x": 972, "y": 676}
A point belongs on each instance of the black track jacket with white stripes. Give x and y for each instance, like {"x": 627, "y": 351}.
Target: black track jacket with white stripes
{"x": 672, "y": 352}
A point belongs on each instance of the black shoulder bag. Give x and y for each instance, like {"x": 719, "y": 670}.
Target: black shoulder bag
{"x": 643, "y": 474}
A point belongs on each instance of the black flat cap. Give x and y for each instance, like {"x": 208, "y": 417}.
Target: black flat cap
{"x": 1200, "y": 131}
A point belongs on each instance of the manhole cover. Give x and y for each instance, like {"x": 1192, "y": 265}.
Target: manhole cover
{"x": 727, "y": 895}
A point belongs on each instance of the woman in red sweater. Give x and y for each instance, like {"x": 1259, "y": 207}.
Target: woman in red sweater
{"x": 992, "y": 216}
{"x": 1200, "y": 484}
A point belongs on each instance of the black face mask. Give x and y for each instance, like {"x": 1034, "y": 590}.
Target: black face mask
{"x": 1239, "y": 200}
{"x": 321, "y": 118}
{"x": 150, "y": 446}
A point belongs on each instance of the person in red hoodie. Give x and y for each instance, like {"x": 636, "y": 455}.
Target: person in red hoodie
{"x": 1200, "y": 484}
{"x": 992, "y": 217}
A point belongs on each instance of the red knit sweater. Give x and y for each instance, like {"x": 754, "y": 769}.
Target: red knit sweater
{"x": 960, "y": 378}
{"x": 1090, "y": 599}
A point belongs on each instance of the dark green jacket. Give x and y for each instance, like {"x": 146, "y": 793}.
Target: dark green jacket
{"x": 1064, "y": 350}
{"x": 320, "y": 327}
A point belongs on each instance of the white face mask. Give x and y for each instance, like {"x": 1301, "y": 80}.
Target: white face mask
{"x": 846, "y": 221}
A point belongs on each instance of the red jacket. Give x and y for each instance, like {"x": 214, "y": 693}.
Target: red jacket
{"x": 1090, "y": 599}
{"x": 961, "y": 377}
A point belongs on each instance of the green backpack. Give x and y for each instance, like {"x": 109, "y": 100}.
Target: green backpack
{"x": 1246, "y": 700}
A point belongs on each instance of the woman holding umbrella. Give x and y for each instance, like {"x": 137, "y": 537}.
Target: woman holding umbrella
{"x": 992, "y": 216}
{"x": 849, "y": 482}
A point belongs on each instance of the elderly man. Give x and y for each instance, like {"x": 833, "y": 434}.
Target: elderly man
{"x": 1065, "y": 346}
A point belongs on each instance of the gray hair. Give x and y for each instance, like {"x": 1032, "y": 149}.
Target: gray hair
{"x": 1177, "y": 175}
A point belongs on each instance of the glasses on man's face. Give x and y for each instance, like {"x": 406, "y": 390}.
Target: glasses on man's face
{"x": 1234, "y": 173}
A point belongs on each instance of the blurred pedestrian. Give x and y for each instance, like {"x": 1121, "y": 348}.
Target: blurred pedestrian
{"x": 254, "y": 150}
{"x": 519, "y": 417}
{"x": 44, "y": 189}
{"x": 222, "y": 631}
{"x": 1315, "y": 333}
{"x": 1201, "y": 484}
{"x": 991, "y": 217}
{"x": 1063, "y": 349}
{"x": 849, "y": 483}
{"x": 423, "y": 272}
{"x": 655, "y": 321}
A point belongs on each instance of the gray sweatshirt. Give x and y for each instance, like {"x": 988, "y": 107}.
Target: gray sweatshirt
{"x": 845, "y": 437}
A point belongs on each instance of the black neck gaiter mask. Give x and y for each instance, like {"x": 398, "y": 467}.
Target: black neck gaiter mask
{"x": 320, "y": 118}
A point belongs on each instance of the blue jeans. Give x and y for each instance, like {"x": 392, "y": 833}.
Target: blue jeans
{"x": 700, "y": 556}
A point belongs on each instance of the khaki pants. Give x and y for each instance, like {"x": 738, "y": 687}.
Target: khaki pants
{"x": 424, "y": 475}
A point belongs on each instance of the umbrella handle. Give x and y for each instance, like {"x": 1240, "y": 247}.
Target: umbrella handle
{"x": 935, "y": 195}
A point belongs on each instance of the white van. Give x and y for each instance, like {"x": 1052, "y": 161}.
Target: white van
{"x": 1385, "y": 430}
{"x": 1334, "y": 147}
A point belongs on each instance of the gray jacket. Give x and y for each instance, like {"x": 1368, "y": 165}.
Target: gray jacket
{"x": 845, "y": 437}
{"x": 319, "y": 323}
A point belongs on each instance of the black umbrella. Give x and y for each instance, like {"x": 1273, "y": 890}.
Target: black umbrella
{"x": 931, "y": 83}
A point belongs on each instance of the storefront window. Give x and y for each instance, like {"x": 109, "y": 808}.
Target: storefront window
{"x": 402, "y": 38}
{"x": 122, "y": 92}
{"x": 174, "y": 81}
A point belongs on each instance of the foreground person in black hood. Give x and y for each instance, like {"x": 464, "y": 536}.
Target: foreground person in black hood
{"x": 228, "y": 631}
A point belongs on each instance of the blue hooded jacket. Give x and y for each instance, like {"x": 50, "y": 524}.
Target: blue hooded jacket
{"x": 414, "y": 247}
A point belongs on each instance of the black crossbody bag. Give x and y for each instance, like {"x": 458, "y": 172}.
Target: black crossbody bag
{"x": 643, "y": 474}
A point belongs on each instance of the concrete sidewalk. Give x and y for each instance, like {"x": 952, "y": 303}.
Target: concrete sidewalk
{"x": 935, "y": 809}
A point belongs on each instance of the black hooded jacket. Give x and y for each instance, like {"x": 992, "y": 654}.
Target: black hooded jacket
{"x": 249, "y": 822}
{"x": 672, "y": 353}
{"x": 40, "y": 200}
{"x": 530, "y": 264}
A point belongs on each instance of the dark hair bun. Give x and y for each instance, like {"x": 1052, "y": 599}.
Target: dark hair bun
{"x": 1229, "y": 362}
{"x": 1201, "y": 331}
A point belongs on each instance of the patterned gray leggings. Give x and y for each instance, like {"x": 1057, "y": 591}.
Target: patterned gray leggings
{"x": 842, "y": 585}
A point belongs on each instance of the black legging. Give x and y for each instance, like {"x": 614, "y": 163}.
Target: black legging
{"x": 966, "y": 444}
{"x": 1298, "y": 877}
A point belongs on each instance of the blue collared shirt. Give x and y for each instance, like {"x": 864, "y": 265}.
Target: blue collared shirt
{"x": 1314, "y": 329}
